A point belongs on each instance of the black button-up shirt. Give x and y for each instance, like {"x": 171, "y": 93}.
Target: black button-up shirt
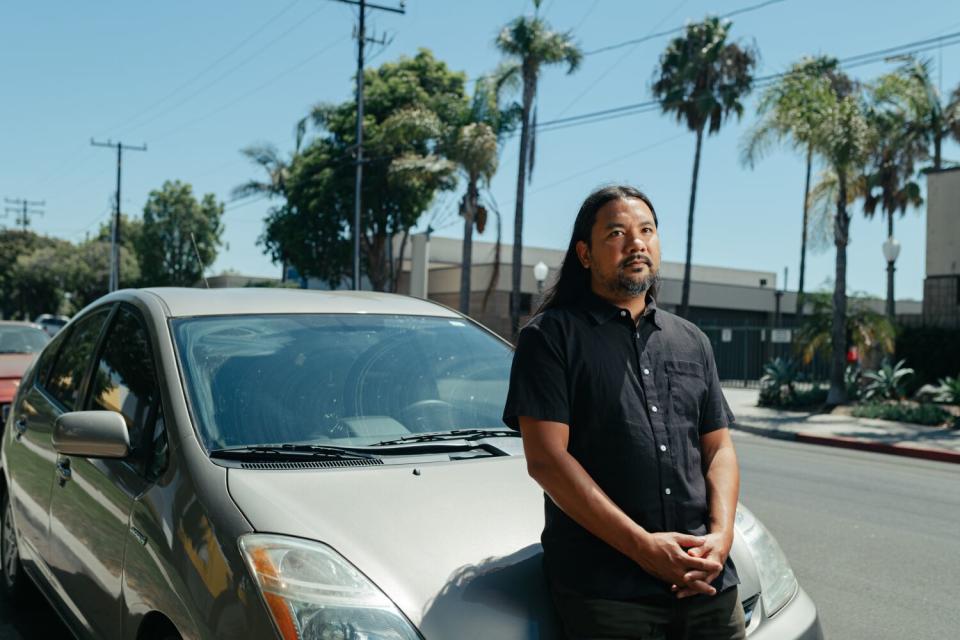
{"x": 637, "y": 398}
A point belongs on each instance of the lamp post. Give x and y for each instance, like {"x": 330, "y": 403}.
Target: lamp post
{"x": 540, "y": 273}
{"x": 891, "y": 249}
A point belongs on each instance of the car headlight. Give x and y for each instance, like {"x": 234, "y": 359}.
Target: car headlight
{"x": 777, "y": 582}
{"x": 313, "y": 593}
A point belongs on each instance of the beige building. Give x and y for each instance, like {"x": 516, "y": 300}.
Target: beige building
{"x": 941, "y": 286}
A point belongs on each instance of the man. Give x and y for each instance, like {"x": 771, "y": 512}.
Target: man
{"x": 624, "y": 426}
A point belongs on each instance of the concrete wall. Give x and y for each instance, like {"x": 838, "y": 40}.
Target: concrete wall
{"x": 941, "y": 287}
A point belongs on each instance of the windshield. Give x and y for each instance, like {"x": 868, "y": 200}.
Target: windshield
{"x": 14, "y": 339}
{"x": 350, "y": 379}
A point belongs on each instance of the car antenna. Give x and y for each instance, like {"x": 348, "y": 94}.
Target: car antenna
{"x": 203, "y": 269}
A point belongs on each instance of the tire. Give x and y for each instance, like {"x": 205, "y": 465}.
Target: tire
{"x": 14, "y": 584}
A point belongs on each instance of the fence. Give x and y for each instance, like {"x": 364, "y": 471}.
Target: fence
{"x": 741, "y": 352}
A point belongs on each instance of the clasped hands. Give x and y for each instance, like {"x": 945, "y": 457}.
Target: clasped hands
{"x": 688, "y": 563}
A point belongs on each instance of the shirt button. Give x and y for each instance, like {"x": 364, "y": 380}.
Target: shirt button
{"x": 653, "y": 408}
{"x": 663, "y": 447}
{"x": 667, "y": 491}
{"x": 646, "y": 372}
{"x": 623, "y": 314}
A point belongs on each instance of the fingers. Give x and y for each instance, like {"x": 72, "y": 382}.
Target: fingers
{"x": 693, "y": 588}
{"x": 686, "y": 540}
{"x": 701, "y": 564}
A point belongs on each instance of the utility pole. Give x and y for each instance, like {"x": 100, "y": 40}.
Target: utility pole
{"x": 24, "y": 209}
{"x": 358, "y": 182}
{"x": 115, "y": 236}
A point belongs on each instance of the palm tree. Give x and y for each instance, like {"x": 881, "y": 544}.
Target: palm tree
{"x": 888, "y": 179}
{"x": 277, "y": 171}
{"x": 531, "y": 44}
{"x": 841, "y": 136}
{"x": 475, "y": 148}
{"x": 782, "y": 117}
{"x": 912, "y": 92}
{"x": 702, "y": 79}
{"x": 866, "y": 329}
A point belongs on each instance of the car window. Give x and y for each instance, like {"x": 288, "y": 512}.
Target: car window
{"x": 21, "y": 339}
{"x": 48, "y": 357}
{"x": 124, "y": 380}
{"x": 74, "y": 359}
{"x": 345, "y": 378}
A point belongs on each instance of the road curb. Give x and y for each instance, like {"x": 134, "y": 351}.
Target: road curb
{"x": 841, "y": 442}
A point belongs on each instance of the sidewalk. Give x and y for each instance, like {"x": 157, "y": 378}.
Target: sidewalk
{"x": 883, "y": 436}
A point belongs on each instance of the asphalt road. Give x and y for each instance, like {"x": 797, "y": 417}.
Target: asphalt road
{"x": 872, "y": 538}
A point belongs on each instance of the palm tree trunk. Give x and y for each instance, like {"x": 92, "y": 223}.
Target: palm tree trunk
{"x": 685, "y": 296}
{"x": 937, "y": 143}
{"x": 838, "y": 335}
{"x": 466, "y": 262}
{"x": 891, "y": 304}
{"x": 803, "y": 239}
{"x": 529, "y": 88}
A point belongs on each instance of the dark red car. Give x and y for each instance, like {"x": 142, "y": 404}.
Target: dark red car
{"x": 20, "y": 342}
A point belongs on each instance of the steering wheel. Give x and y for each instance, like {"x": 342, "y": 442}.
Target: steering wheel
{"x": 430, "y": 414}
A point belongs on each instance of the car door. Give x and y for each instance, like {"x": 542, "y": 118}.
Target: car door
{"x": 92, "y": 498}
{"x": 54, "y": 388}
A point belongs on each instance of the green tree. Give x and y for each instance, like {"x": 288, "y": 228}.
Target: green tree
{"x": 14, "y": 244}
{"x": 42, "y": 278}
{"x": 172, "y": 218}
{"x": 783, "y": 117}
{"x": 863, "y": 327}
{"x": 911, "y": 91}
{"x": 410, "y": 108}
{"x": 90, "y": 264}
{"x": 530, "y": 44}
{"x": 130, "y": 238}
{"x": 702, "y": 79}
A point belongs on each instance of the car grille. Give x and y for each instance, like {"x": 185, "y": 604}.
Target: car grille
{"x": 748, "y": 606}
{"x": 313, "y": 464}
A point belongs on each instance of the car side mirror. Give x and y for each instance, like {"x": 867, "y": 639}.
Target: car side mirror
{"x": 91, "y": 434}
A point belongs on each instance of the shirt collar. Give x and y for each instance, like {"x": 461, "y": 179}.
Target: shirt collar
{"x": 602, "y": 311}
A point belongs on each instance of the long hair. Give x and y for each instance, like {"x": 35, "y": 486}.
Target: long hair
{"x": 573, "y": 283}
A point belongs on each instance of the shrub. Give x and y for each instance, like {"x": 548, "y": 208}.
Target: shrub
{"x": 927, "y": 414}
{"x": 852, "y": 379}
{"x": 887, "y": 382}
{"x": 777, "y": 383}
{"x": 948, "y": 390}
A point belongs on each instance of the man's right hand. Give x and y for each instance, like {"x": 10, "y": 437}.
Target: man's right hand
{"x": 665, "y": 556}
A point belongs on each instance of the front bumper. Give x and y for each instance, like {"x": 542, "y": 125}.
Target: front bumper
{"x": 798, "y": 620}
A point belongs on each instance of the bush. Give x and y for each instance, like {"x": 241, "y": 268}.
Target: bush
{"x": 948, "y": 390}
{"x": 887, "y": 382}
{"x": 933, "y": 352}
{"x": 927, "y": 414}
{"x": 777, "y": 383}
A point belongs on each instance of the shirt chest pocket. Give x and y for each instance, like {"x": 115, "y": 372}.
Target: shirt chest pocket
{"x": 688, "y": 387}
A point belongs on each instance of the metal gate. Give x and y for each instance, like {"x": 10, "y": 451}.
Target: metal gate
{"x": 741, "y": 353}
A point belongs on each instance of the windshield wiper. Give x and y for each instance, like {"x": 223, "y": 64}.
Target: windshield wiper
{"x": 262, "y": 452}
{"x": 456, "y": 434}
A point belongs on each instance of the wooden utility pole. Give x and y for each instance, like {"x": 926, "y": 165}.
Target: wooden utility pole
{"x": 24, "y": 209}
{"x": 115, "y": 236}
{"x": 358, "y": 181}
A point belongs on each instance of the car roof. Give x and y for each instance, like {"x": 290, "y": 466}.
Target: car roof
{"x": 184, "y": 302}
{"x": 20, "y": 323}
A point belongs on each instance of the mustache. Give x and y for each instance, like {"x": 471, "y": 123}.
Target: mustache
{"x": 634, "y": 259}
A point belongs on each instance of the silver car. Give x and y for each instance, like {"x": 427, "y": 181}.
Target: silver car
{"x": 256, "y": 463}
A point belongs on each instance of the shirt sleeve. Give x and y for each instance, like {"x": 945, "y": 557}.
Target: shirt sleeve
{"x": 715, "y": 413}
{"x": 538, "y": 380}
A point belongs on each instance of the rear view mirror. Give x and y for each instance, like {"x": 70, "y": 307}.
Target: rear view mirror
{"x": 91, "y": 434}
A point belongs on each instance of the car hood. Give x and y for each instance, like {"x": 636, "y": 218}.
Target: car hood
{"x": 454, "y": 545}
{"x": 12, "y": 365}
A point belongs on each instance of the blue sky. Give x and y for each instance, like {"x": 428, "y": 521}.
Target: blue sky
{"x": 198, "y": 81}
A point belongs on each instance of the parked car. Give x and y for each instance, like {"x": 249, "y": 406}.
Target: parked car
{"x": 269, "y": 463}
{"x": 20, "y": 342}
{"x": 51, "y": 323}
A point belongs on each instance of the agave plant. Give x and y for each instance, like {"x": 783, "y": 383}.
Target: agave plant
{"x": 852, "y": 378}
{"x": 886, "y": 382}
{"x": 948, "y": 390}
{"x": 777, "y": 382}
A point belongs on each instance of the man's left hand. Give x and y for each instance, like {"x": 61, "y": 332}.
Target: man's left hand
{"x": 716, "y": 546}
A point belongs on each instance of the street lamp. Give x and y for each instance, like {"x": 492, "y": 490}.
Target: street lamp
{"x": 540, "y": 272}
{"x": 891, "y": 249}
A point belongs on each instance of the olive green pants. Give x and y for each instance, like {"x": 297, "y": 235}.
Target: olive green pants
{"x": 718, "y": 617}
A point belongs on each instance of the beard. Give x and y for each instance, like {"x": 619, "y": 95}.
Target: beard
{"x": 632, "y": 286}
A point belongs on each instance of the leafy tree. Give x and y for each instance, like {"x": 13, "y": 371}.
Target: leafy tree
{"x": 863, "y": 327}
{"x": 14, "y": 244}
{"x": 531, "y": 44}
{"x": 702, "y": 79}
{"x": 42, "y": 278}
{"x": 172, "y": 217}
{"x": 911, "y": 91}
{"x": 91, "y": 270}
{"x": 783, "y": 117}
{"x": 410, "y": 108}
{"x": 130, "y": 238}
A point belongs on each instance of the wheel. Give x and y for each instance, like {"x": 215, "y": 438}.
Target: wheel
{"x": 14, "y": 583}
